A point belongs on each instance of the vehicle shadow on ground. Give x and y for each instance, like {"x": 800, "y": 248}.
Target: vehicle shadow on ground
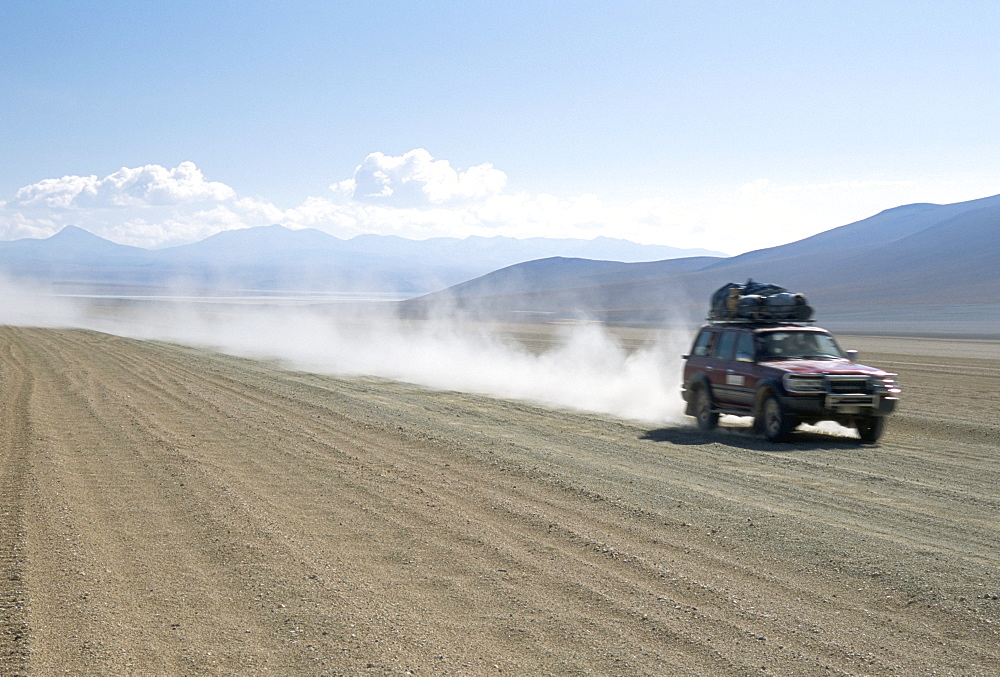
{"x": 743, "y": 437}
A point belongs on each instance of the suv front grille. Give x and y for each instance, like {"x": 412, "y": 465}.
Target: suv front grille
{"x": 849, "y": 385}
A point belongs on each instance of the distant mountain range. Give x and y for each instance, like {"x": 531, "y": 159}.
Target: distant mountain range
{"x": 277, "y": 259}
{"x": 921, "y": 268}
{"x": 915, "y": 269}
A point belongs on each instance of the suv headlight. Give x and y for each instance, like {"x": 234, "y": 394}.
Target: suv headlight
{"x": 795, "y": 383}
{"x": 885, "y": 384}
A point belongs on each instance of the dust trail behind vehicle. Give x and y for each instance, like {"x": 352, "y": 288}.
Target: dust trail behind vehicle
{"x": 580, "y": 365}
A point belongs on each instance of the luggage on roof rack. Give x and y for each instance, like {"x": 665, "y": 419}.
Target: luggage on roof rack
{"x": 758, "y": 302}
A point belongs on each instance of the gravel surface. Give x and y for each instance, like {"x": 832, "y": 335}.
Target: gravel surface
{"x": 169, "y": 511}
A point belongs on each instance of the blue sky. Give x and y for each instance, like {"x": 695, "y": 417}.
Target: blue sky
{"x": 725, "y": 125}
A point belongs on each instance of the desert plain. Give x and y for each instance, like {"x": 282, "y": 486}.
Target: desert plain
{"x": 169, "y": 510}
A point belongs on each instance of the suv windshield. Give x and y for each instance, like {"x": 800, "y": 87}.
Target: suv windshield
{"x": 797, "y": 345}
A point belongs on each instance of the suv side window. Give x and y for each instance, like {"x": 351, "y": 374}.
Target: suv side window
{"x": 703, "y": 343}
{"x": 723, "y": 349}
{"x": 744, "y": 345}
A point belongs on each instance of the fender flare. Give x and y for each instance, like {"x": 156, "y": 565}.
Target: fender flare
{"x": 764, "y": 388}
{"x": 697, "y": 381}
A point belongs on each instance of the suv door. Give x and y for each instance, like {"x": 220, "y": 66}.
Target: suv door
{"x": 699, "y": 361}
{"x": 741, "y": 372}
{"x": 719, "y": 368}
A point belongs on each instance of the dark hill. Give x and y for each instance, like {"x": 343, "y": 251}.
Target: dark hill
{"x": 934, "y": 264}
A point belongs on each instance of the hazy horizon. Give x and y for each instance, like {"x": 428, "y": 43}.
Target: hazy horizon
{"x": 362, "y": 235}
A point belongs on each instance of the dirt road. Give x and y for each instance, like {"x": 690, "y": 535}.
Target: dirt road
{"x": 171, "y": 511}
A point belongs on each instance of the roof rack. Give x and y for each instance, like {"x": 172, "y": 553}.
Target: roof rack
{"x": 760, "y": 322}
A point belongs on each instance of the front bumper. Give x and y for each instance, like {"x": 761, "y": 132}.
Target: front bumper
{"x": 824, "y": 405}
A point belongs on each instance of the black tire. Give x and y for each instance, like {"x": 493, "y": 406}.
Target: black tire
{"x": 706, "y": 418}
{"x": 870, "y": 429}
{"x": 772, "y": 421}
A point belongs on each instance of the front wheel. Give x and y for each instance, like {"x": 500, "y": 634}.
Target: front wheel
{"x": 871, "y": 428}
{"x": 707, "y": 419}
{"x": 772, "y": 420}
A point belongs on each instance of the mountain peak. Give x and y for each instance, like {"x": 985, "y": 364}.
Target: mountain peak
{"x": 76, "y": 238}
{"x": 75, "y": 233}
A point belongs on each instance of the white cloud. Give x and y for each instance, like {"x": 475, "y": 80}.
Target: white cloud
{"x": 416, "y": 179}
{"x": 145, "y": 206}
{"x": 151, "y": 185}
{"x": 415, "y": 195}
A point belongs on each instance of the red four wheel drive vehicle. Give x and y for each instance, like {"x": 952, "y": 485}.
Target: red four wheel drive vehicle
{"x": 782, "y": 373}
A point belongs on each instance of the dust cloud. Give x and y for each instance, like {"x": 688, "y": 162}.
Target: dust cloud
{"x": 581, "y": 366}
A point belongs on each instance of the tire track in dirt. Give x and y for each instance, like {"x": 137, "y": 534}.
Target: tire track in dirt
{"x": 188, "y": 475}
{"x": 108, "y": 527}
{"x": 407, "y": 521}
{"x": 232, "y": 517}
{"x": 722, "y": 483}
{"x": 398, "y": 482}
{"x": 864, "y": 494}
{"x": 15, "y": 434}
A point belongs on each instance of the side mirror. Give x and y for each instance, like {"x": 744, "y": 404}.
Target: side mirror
{"x": 744, "y": 357}
{"x": 852, "y": 355}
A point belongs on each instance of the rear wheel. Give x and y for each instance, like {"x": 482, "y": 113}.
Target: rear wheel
{"x": 772, "y": 420}
{"x": 871, "y": 428}
{"x": 707, "y": 419}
